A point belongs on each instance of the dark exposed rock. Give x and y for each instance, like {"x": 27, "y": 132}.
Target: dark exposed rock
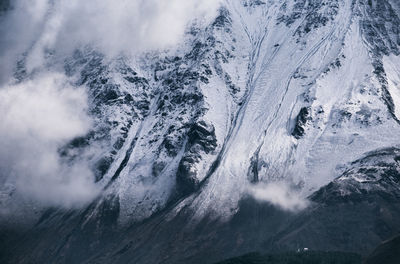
{"x": 379, "y": 27}
{"x": 382, "y": 34}
{"x": 377, "y": 173}
{"x": 316, "y": 14}
{"x": 253, "y": 3}
{"x": 201, "y": 139}
{"x": 301, "y": 120}
{"x": 222, "y": 20}
{"x": 5, "y": 5}
{"x": 107, "y": 98}
{"x": 102, "y": 166}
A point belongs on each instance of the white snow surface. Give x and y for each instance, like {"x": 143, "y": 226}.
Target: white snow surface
{"x": 279, "y": 80}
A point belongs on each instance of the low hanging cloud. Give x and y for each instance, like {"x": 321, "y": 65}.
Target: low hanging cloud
{"x": 278, "y": 194}
{"x": 37, "y": 117}
{"x": 112, "y": 27}
{"x": 136, "y": 25}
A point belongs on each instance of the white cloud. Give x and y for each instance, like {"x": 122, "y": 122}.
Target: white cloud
{"x": 113, "y": 27}
{"x": 134, "y": 25}
{"x": 37, "y": 117}
{"x": 278, "y": 194}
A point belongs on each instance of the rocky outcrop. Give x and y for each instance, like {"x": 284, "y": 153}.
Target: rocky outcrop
{"x": 300, "y": 122}
{"x": 201, "y": 139}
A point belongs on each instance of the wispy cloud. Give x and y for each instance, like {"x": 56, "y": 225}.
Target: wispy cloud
{"x": 278, "y": 194}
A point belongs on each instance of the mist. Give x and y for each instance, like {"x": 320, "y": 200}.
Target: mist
{"x": 39, "y": 116}
{"x": 278, "y": 194}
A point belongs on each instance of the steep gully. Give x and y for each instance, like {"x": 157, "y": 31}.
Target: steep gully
{"x": 253, "y": 79}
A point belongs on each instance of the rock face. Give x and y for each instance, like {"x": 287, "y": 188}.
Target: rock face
{"x": 301, "y": 121}
{"x": 201, "y": 140}
{"x": 378, "y": 173}
{"x": 303, "y": 93}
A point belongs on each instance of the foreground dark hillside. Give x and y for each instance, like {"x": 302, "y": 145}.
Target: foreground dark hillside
{"x": 311, "y": 257}
{"x": 386, "y": 253}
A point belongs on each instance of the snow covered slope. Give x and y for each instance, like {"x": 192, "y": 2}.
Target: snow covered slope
{"x": 270, "y": 92}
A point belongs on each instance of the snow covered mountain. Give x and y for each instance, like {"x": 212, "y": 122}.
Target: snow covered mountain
{"x": 300, "y": 95}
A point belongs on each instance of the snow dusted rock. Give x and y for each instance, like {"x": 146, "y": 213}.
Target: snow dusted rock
{"x": 376, "y": 173}
{"x": 201, "y": 141}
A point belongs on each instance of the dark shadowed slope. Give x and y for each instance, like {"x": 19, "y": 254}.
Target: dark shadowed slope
{"x": 386, "y": 253}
